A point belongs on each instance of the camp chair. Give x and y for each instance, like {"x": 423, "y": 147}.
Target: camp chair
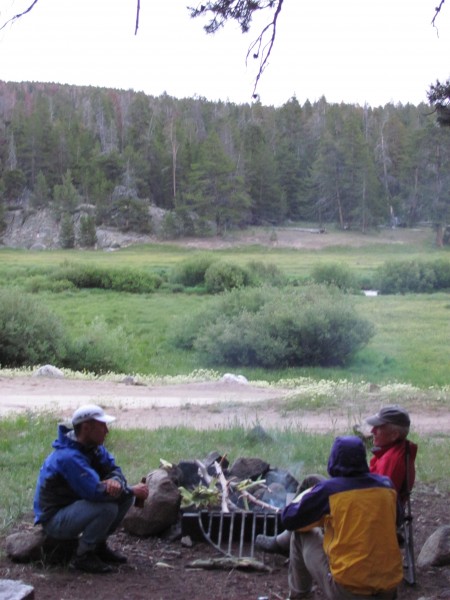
{"x": 406, "y": 526}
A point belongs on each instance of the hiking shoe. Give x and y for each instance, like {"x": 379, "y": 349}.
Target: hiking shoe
{"x": 268, "y": 543}
{"x": 89, "y": 562}
{"x": 108, "y": 555}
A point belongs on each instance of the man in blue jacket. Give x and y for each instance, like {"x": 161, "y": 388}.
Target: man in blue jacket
{"x": 82, "y": 493}
{"x": 344, "y": 531}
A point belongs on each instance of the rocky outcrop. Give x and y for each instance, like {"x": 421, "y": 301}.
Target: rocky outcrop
{"x": 39, "y": 230}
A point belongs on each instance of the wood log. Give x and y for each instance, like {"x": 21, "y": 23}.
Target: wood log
{"x": 229, "y": 563}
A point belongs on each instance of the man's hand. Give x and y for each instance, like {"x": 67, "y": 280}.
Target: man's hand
{"x": 140, "y": 490}
{"x": 113, "y": 487}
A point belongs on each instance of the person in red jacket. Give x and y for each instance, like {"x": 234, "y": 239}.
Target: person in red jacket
{"x": 392, "y": 452}
{"x": 344, "y": 531}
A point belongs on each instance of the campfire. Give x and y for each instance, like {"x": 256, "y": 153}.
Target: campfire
{"x": 209, "y": 500}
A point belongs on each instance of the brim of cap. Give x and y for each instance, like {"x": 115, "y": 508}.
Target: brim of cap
{"x": 376, "y": 421}
{"x": 105, "y": 419}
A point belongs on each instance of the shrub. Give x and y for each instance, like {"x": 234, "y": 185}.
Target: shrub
{"x": 270, "y": 274}
{"x": 29, "y": 333}
{"x": 99, "y": 349}
{"x": 442, "y": 273}
{"x": 191, "y": 272}
{"x": 402, "y": 277}
{"x": 223, "y": 276}
{"x": 119, "y": 280}
{"x": 273, "y": 328}
{"x": 334, "y": 274}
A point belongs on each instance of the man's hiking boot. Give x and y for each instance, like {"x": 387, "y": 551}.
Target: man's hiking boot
{"x": 108, "y": 555}
{"x": 89, "y": 562}
{"x": 268, "y": 543}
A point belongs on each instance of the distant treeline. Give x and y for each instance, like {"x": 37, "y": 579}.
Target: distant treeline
{"x": 217, "y": 164}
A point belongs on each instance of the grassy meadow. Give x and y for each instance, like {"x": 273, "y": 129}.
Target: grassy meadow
{"x": 411, "y": 347}
{"x": 411, "y": 343}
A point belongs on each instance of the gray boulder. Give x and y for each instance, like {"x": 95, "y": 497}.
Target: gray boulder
{"x": 160, "y": 510}
{"x": 11, "y": 589}
{"x": 436, "y": 550}
{"x": 48, "y": 371}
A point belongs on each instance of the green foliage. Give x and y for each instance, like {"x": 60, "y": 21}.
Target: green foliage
{"x": 339, "y": 275}
{"x": 67, "y": 232}
{"x": 30, "y": 334}
{"x": 88, "y": 236}
{"x": 65, "y": 195}
{"x": 100, "y": 349}
{"x": 41, "y": 193}
{"x": 275, "y": 328}
{"x": 121, "y": 280}
{"x": 130, "y": 214}
{"x": 266, "y": 273}
{"x": 191, "y": 271}
{"x": 441, "y": 269}
{"x": 14, "y": 182}
{"x": 46, "y": 283}
{"x": 413, "y": 276}
{"x": 222, "y": 276}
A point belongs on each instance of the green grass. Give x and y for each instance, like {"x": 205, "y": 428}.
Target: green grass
{"x": 412, "y": 332}
{"x": 26, "y": 440}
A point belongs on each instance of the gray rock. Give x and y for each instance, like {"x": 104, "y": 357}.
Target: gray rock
{"x": 160, "y": 510}
{"x": 11, "y": 589}
{"x": 25, "y": 546}
{"x": 48, "y": 371}
{"x": 436, "y": 550}
{"x": 248, "y": 468}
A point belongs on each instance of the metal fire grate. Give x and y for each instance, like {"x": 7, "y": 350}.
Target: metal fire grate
{"x": 232, "y": 534}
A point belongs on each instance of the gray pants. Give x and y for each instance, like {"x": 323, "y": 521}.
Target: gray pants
{"x": 308, "y": 563}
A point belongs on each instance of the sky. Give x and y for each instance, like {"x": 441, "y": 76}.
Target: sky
{"x": 351, "y": 51}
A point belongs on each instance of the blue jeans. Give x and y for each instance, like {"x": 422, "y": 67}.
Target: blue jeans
{"x": 94, "y": 521}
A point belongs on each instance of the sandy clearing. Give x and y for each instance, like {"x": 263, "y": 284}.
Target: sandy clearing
{"x": 204, "y": 405}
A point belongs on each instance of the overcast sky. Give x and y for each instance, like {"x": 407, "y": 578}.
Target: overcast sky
{"x": 353, "y": 51}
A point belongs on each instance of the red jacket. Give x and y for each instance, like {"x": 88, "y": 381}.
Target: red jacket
{"x": 391, "y": 462}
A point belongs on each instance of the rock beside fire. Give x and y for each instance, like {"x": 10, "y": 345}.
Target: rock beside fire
{"x": 160, "y": 510}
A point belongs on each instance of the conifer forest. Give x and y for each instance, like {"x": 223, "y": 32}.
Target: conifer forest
{"x": 214, "y": 166}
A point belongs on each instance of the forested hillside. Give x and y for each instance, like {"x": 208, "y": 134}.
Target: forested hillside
{"x": 216, "y": 165}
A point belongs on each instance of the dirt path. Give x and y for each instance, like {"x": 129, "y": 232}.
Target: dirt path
{"x": 202, "y": 405}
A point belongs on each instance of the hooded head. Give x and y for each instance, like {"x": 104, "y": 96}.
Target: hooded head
{"x": 347, "y": 457}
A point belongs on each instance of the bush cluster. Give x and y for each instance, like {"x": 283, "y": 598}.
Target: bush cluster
{"x": 215, "y": 276}
{"x": 99, "y": 349}
{"x": 32, "y": 335}
{"x": 29, "y": 333}
{"x": 334, "y": 274}
{"x": 225, "y": 276}
{"x": 191, "y": 272}
{"x": 119, "y": 280}
{"x": 413, "y": 276}
{"x": 273, "y": 328}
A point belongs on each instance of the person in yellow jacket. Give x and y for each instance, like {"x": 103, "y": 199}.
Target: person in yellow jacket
{"x": 344, "y": 531}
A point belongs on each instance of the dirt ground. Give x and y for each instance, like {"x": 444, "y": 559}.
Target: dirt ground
{"x": 157, "y": 569}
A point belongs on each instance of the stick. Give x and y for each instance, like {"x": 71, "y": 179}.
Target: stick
{"x": 260, "y": 502}
{"x": 204, "y": 473}
{"x": 229, "y": 563}
{"x": 224, "y": 483}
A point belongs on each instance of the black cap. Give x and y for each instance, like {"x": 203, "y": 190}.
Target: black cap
{"x": 395, "y": 415}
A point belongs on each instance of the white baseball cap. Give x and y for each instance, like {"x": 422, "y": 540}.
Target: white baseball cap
{"x": 91, "y": 412}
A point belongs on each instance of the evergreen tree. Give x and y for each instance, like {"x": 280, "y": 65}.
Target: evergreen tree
{"x": 216, "y": 193}
{"x": 67, "y": 232}
{"x": 65, "y": 196}
{"x": 40, "y": 197}
{"x": 88, "y": 234}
